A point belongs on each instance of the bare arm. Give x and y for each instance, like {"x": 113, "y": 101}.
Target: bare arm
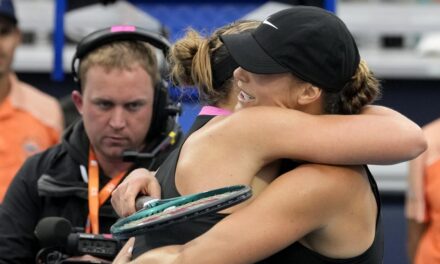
{"x": 377, "y": 136}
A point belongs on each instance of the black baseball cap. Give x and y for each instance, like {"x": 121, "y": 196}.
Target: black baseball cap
{"x": 7, "y": 10}
{"x": 310, "y": 42}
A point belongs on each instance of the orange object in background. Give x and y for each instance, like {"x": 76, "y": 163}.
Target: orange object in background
{"x": 428, "y": 250}
{"x": 30, "y": 122}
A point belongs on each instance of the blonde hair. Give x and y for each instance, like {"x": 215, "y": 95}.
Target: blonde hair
{"x": 362, "y": 89}
{"x": 192, "y": 59}
{"x": 121, "y": 55}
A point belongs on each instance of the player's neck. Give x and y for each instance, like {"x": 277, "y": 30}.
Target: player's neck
{"x": 112, "y": 167}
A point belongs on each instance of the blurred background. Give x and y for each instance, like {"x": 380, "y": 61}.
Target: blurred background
{"x": 400, "y": 40}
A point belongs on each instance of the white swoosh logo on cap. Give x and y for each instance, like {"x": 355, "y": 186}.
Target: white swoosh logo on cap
{"x": 269, "y": 24}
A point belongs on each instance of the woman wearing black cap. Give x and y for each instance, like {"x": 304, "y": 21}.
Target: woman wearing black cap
{"x": 302, "y": 58}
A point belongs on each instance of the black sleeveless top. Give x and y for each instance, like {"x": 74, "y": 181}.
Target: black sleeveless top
{"x": 182, "y": 233}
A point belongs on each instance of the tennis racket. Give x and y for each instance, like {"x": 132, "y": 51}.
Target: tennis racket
{"x": 160, "y": 213}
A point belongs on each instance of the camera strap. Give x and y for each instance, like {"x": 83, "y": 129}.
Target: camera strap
{"x": 96, "y": 197}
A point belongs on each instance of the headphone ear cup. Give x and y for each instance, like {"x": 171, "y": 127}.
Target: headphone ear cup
{"x": 160, "y": 111}
{"x": 162, "y": 65}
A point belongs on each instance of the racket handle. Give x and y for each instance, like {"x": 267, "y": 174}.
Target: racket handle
{"x": 144, "y": 201}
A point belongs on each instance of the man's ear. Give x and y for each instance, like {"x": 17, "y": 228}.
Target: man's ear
{"x": 309, "y": 94}
{"x": 78, "y": 101}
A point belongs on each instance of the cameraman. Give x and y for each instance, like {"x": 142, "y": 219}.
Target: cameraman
{"x": 121, "y": 87}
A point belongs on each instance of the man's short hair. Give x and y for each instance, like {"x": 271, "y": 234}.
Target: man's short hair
{"x": 121, "y": 55}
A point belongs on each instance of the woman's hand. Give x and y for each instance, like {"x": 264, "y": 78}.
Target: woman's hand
{"x": 138, "y": 182}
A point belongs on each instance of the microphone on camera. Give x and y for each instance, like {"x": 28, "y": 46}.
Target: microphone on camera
{"x": 56, "y": 233}
{"x": 53, "y": 231}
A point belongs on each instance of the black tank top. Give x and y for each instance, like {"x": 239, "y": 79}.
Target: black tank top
{"x": 186, "y": 231}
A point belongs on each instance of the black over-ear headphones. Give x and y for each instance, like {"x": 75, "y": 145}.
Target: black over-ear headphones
{"x": 163, "y": 108}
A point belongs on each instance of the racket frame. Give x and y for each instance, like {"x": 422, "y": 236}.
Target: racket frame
{"x": 239, "y": 193}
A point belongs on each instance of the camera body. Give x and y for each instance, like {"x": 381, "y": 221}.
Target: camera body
{"x": 59, "y": 241}
{"x": 79, "y": 244}
{"x": 101, "y": 246}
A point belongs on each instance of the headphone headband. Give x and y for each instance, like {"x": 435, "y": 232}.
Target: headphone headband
{"x": 117, "y": 33}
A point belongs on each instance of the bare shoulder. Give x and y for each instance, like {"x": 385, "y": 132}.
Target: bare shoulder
{"x": 212, "y": 132}
{"x": 227, "y": 132}
{"x": 210, "y": 151}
